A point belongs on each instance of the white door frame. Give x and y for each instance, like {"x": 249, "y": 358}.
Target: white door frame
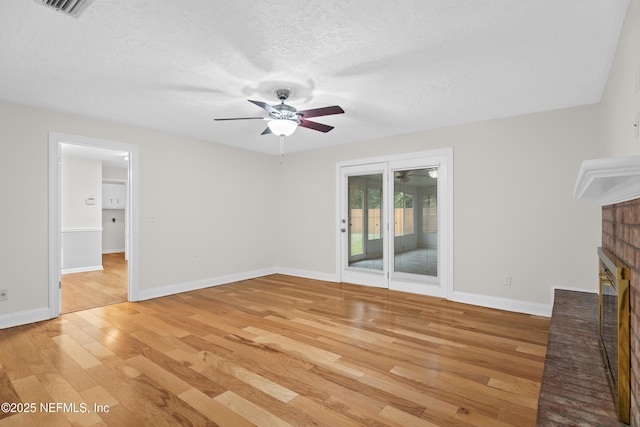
{"x": 443, "y": 159}
{"x": 55, "y": 138}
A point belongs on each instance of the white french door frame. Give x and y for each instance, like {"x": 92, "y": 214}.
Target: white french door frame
{"x": 442, "y": 286}
{"x": 55, "y": 223}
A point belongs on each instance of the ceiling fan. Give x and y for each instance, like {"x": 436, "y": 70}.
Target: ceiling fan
{"x": 404, "y": 176}
{"x": 283, "y": 119}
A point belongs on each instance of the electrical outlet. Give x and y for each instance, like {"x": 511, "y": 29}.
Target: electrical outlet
{"x": 4, "y": 294}
{"x": 507, "y": 280}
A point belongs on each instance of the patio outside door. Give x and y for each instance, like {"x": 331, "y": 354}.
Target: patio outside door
{"x": 391, "y": 219}
{"x": 363, "y": 224}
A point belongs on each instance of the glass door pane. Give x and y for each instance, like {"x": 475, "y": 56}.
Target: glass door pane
{"x": 374, "y": 216}
{"x": 415, "y": 221}
{"x": 356, "y": 220}
{"x": 365, "y": 221}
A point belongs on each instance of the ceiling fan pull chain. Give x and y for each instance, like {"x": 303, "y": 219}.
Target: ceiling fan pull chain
{"x": 281, "y": 148}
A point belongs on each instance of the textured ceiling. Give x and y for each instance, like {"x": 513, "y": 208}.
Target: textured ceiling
{"x": 395, "y": 67}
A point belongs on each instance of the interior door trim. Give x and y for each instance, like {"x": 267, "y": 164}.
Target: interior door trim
{"x": 55, "y": 138}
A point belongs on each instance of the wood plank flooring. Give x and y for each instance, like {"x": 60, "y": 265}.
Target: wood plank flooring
{"x": 81, "y": 291}
{"x": 276, "y": 351}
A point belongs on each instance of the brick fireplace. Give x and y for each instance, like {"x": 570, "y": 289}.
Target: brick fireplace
{"x": 614, "y": 182}
{"x": 621, "y": 235}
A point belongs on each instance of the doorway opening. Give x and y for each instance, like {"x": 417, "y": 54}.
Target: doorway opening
{"x": 92, "y": 223}
{"x": 94, "y": 226}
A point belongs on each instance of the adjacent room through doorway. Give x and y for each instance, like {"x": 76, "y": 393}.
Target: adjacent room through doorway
{"x": 93, "y": 227}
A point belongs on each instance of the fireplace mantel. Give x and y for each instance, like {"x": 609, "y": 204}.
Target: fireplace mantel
{"x": 609, "y": 180}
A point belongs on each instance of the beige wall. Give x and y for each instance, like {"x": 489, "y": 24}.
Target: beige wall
{"x": 81, "y": 178}
{"x": 81, "y": 235}
{"x": 621, "y": 100}
{"x": 514, "y": 210}
{"x": 208, "y": 200}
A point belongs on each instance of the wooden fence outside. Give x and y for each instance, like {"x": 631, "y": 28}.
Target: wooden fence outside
{"x": 403, "y": 221}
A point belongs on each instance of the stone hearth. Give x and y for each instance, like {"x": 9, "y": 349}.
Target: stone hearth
{"x": 575, "y": 389}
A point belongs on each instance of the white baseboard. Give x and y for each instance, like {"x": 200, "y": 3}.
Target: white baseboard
{"x": 177, "y": 288}
{"x": 24, "y": 317}
{"x": 112, "y": 251}
{"x": 499, "y": 303}
{"x": 506, "y": 304}
{"x": 306, "y": 274}
{"x": 82, "y": 269}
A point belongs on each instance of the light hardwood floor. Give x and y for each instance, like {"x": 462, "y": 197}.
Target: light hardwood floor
{"x": 278, "y": 351}
{"x": 81, "y": 291}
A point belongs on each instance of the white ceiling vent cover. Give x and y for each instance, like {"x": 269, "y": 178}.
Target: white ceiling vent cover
{"x": 68, "y": 7}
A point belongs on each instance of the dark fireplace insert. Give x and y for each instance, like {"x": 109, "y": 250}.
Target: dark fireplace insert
{"x": 613, "y": 328}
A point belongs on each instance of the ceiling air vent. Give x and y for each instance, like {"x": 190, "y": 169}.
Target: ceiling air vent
{"x": 68, "y": 7}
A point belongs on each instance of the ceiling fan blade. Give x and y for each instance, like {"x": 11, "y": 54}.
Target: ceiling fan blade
{"x": 266, "y": 106}
{"x": 267, "y": 131}
{"x": 325, "y": 111}
{"x": 315, "y": 126}
{"x": 240, "y": 118}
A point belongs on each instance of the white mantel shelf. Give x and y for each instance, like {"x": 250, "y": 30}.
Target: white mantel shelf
{"x": 609, "y": 180}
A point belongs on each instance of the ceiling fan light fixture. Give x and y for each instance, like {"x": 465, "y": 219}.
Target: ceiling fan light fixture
{"x": 282, "y": 127}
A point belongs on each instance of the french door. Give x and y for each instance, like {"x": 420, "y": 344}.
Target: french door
{"x": 395, "y": 224}
{"x": 363, "y": 224}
